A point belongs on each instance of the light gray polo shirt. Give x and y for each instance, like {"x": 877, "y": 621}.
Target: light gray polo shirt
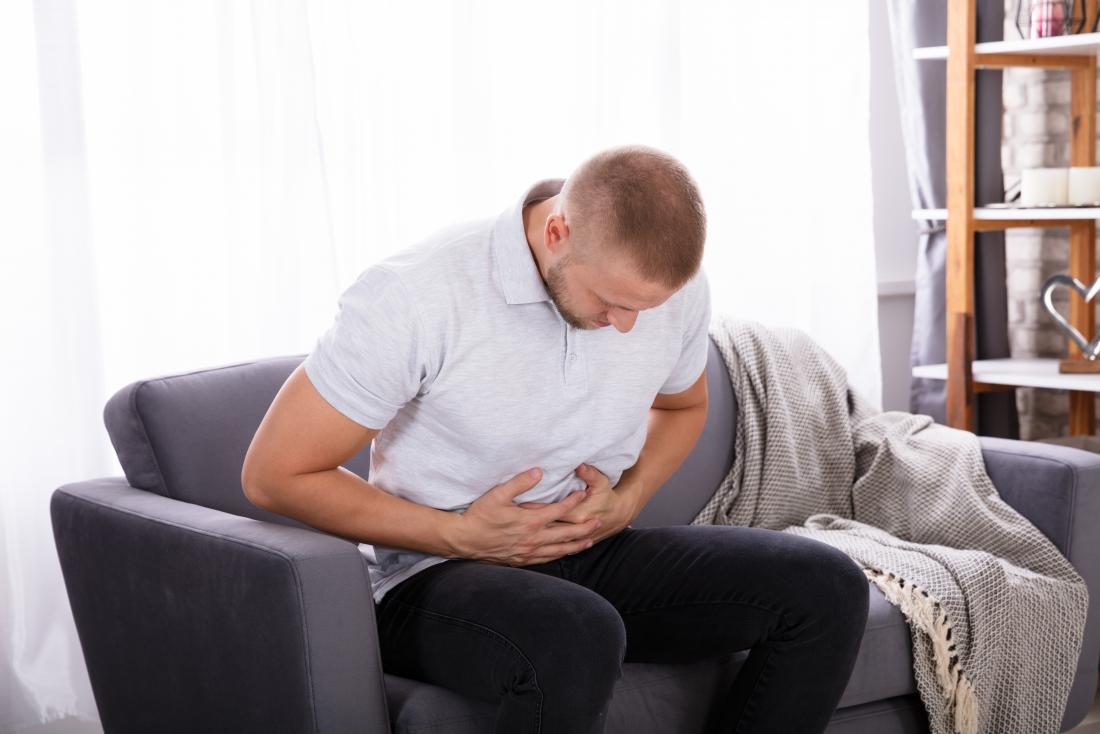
{"x": 454, "y": 349}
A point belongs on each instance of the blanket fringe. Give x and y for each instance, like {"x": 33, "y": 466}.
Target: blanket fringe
{"x": 923, "y": 610}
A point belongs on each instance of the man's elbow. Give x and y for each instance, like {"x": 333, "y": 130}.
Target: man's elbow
{"x": 256, "y": 490}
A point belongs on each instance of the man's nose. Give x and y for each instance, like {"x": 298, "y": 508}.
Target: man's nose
{"x": 622, "y": 319}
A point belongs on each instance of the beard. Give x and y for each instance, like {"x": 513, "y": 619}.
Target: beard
{"x": 555, "y": 285}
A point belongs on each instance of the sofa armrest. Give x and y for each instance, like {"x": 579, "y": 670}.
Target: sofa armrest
{"x": 1057, "y": 488}
{"x": 193, "y": 619}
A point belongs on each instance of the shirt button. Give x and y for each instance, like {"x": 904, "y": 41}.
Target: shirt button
{"x": 572, "y": 357}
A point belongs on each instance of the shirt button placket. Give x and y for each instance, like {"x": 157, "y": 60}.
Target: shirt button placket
{"x": 574, "y": 365}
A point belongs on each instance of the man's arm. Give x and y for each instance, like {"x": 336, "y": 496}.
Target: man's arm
{"x": 293, "y": 467}
{"x": 675, "y": 423}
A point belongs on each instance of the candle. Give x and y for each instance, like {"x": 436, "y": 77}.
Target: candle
{"x": 1048, "y": 18}
{"x": 1044, "y": 186}
{"x": 1084, "y": 185}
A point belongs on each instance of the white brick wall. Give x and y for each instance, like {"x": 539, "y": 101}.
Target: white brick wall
{"x": 1035, "y": 134}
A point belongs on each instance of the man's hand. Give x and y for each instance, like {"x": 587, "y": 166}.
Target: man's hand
{"x": 495, "y": 529}
{"x": 614, "y": 510}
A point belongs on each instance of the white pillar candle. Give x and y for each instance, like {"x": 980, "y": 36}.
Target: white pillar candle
{"x": 1084, "y": 185}
{"x": 1044, "y": 186}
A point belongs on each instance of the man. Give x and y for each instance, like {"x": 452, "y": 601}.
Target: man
{"x": 527, "y": 383}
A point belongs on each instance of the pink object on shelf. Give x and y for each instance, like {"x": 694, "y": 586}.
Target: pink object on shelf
{"x": 1047, "y": 18}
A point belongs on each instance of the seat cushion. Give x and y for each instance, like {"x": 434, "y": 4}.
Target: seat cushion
{"x": 662, "y": 697}
{"x": 884, "y": 667}
{"x": 648, "y": 698}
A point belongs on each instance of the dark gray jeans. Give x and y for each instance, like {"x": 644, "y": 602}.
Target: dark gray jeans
{"x": 547, "y": 641}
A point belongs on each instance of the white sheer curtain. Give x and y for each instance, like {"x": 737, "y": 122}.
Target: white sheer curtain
{"x": 190, "y": 184}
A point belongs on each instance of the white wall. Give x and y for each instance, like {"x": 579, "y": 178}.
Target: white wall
{"x": 895, "y": 232}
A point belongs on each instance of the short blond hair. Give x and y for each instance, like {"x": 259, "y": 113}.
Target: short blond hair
{"x": 640, "y": 203}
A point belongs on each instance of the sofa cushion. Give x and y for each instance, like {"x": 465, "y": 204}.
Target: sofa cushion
{"x": 884, "y": 666}
{"x": 691, "y": 486}
{"x": 184, "y": 435}
{"x": 648, "y": 698}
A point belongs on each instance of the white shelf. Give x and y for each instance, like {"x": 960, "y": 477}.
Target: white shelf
{"x": 1004, "y": 215}
{"x": 1017, "y": 372}
{"x": 1079, "y": 44}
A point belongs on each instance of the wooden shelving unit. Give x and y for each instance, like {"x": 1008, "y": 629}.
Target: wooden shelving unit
{"x": 1007, "y": 218}
{"x": 989, "y": 373}
{"x": 1079, "y": 44}
{"x": 966, "y": 377}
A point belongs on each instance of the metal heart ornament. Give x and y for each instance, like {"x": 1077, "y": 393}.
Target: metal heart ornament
{"x": 1089, "y": 349}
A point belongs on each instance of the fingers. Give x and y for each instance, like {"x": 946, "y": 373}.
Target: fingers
{"x": 519, "y": 484}
{"x": 524, "y": 481}
{"x": 543, "y": 505}
{"x": 555, "y": 510}
{"x": 568, "y": 532}
{"x": 557, "y": 550}
{"x": 589, "y": 472}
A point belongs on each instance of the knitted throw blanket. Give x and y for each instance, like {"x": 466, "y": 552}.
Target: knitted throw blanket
{"x": 996, "y": 613}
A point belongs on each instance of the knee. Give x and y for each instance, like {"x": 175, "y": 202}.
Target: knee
{"x": 839, "y": 590}
{"x": 824, "y": 588}
{"x": 594, "y": 631}
{"x": 582, "y": 639}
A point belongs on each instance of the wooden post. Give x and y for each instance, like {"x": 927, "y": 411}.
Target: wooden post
{"x": 961, "y": 37}
{"x": 961, "y": 370}
{"x": 1082, "y": 235}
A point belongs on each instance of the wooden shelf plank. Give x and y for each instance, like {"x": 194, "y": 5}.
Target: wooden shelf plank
{"x": 1080, "y": 44}
{"x": 1018, "y": 373}
{"x": 1068, "y": 214}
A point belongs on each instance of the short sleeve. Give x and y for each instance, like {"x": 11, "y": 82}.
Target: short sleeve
{"x": 372, "y": 359}
{"x": 693, "y": 353}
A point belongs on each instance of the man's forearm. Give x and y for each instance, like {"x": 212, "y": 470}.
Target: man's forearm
{"x": 670, "y": 437}
{"x": 341, "y": 502}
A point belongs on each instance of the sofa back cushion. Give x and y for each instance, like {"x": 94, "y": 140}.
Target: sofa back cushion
{"x": 185, "y": 435}
{"x": 689, "y": 488}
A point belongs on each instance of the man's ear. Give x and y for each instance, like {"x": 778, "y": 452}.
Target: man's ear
{"x": 557, "y": 232}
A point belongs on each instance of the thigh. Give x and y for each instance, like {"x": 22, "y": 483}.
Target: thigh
{"x": 484, "y": 629}
{"x": 690, "y": 592}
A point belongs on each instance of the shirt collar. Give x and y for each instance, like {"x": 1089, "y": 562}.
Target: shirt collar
{"x": 514, "y": 265}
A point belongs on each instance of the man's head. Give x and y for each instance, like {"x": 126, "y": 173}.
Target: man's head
{"x": 624, "y": 234}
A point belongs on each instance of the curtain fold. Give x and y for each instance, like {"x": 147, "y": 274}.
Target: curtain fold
{"x": 922, "y": 100}
{"x": 184, "y": 185}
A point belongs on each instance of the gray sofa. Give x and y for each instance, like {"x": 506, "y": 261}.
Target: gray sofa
{"x": 199, "y": 612}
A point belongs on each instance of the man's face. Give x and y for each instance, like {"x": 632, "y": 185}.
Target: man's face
{"x": 595, "y": 295}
